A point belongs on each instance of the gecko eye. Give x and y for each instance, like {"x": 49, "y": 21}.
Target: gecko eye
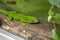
{"x": 11, "y": 2}
{"x": 32, "y": 21}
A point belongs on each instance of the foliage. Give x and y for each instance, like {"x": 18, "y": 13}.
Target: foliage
{"x": 55, "y": 3}
{"x": 55, "y": 18}
{"x": 55, "y": 35}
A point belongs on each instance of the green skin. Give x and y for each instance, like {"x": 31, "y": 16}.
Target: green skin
{"x": 17, "y": 16}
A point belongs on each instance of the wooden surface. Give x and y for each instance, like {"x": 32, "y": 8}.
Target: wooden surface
{"x": 40, "y": 31}
{"x": 29, "y": 31}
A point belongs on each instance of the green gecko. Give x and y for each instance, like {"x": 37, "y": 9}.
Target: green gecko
{"x": 17, "y": 16}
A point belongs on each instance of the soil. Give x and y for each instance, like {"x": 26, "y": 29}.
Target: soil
{"x": 40, "y": 31}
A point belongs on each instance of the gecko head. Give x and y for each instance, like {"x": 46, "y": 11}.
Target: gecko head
{"x": 32, "y": 19}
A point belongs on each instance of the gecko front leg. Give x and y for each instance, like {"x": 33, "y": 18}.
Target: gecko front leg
{"x": 22, "y": 23}
{"x": 9, "y": 19}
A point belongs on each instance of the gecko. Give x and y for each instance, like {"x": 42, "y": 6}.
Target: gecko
{"x": 17, "y": 16}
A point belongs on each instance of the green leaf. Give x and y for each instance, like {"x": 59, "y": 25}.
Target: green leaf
{"x": 55, "y": 35}
{"x": 55, "y": 2}
{"x": 56, "y": 18}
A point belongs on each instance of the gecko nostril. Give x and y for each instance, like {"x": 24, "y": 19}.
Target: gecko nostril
{"x": 11, "y": 2}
